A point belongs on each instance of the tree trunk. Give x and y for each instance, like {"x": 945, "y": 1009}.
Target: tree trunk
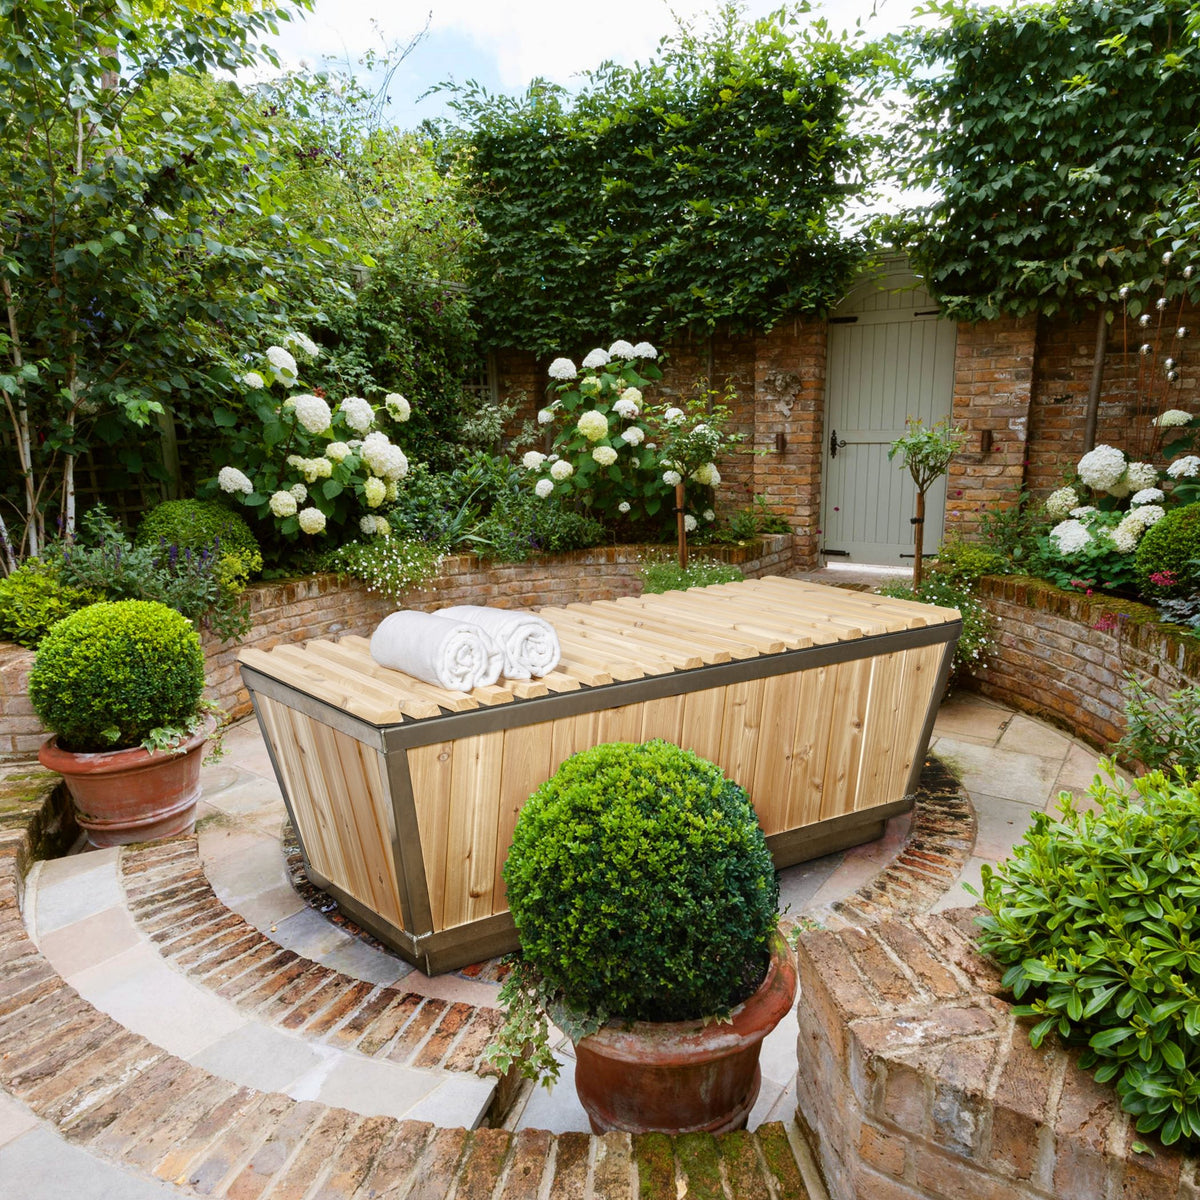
{"x": 679, "y": 527}
{"x": 1093, "y": 400}
{"x": 918, "y": 540}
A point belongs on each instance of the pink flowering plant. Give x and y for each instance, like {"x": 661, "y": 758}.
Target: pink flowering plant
{"x": 310, "y": 465}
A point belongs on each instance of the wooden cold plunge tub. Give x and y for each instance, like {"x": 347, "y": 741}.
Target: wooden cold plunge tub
{"x": 817, "y": 700}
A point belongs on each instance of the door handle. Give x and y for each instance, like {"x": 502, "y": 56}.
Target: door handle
{"x": 835, "y": 444}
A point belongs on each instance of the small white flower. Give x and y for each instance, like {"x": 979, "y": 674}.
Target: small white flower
{"x": 283, "y": 362}
{"x": 1150, "y": 495}
{"x": 283, "y": 504}
{"x": 230, "y": 479}
{"x": 621, "y": 349}
{"x": 644, "y": 350}
{"x": 1059, "y": 503}
{"x": 252, "y": 379}
{"x": 299, "y": 492}
{"x": 358, "y": 414}
{"x": 312, "y": 412}
{"x": 1102, "y": 468}
{"x": 634, "y": 435}
{"x": 336, "y": 451}
{"x": 312, "y": 520}
{"x": 531, "y": 460}
{"x": 672, "y": 415}
{"x": 1172, "y": 418}
{"x": 561, "y": 470}
{"x": 689, "y": 523}
{"x": 562, "y": 368}
{"x": 593, "y": 425}
{"x": 596, "y": 358}
{"x": 382, "y": 457}
{"x": 605, "y": 455}
{"x": 709, "y": 515}
{"x": 398, "y": 408}
{"x": 623, "y": 507}
{"x": 374, "y": 491}
{"x": 1184, "y": 468}
{"x": 672, "y": 478}
{"x": 1069, "y": 537}
{"x": 626, "y": 408}
{"x": 543, "y": 488}
{"x": 545, "y": 416}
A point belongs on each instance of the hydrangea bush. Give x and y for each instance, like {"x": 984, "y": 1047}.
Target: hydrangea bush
{"x": 311, "y": 465}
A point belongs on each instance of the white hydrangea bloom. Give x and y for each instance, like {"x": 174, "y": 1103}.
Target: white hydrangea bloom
{"x": 545, "y": 416}
{"x": 359, "y": 415}
{"x": 707, "y": 475}
{"x": 375, "y": 491}
{"x": 230, "y": 479}
{"x": 1059, "y": 503}
{"x": 621, "y": 349}
{"x": 709, "y": 515}
{"x": 312, "y": 520}
{"x": 302, "y": 344}
{"x": 632, "y": 393}
{"x": 543, "y": 488}
{"x": 689, "y": 523}
{"x": 626, "y": 408}
{"x": 316, "y": 468}
{"x": 672, "y": 415}
{"x": 634, "y": 435}
{"x": 1121, "y": 488}
{"x": 368, "y": 523}
{"x": 531, "y": 460}
{"x": 398, "y": 408}
{"x": 1139, "y": 475}
{"x": 382, "y": 528}
{"x": 392, "y": 490}
{"x": 596, "y": 358}
{"x": 590, "y": 386}
{"x": 561, "y": 470}
{"x": 283, "y": 504}
{"x": 282, "y": 361}
{"x": 296, "y": 460}
{"x": 605, "y": 455}
{"x": 1150, "y": 495}
{"x": 644, "y": 350}
{"x": 252, "y": 379}
{"x": 1069, "y": 537}
{"x": 312, "y": 412}
{"x": 1172, "y": 418}
{"x": 562, "y": 368}
{"x": 623, "y": 507}
{"x": 1125, "y": 536}
{"x": 336, "y": 451}
{"x": 593, "y": 425}
{"x": 386, "y": 460}
{"x": 672, "y": 478}
{"x": 1084, "y": 510}
{"x": 1147, "y": 515}
{"x": 299, "y": 492}
{"x": 1102, "y": 468}
{"x": 1184, "y": 468}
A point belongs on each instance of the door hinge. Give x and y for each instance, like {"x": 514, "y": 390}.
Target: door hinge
{"x": 836, "y": 553}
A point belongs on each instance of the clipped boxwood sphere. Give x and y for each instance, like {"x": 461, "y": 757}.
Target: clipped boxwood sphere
{"x": 195, "y": 525}
{"x": 641, "y": 884}
{"x": 1172, "y": 544}
{"x": 107, "y": 675}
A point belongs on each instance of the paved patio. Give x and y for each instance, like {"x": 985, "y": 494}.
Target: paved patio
{"x": 88, "y": 918}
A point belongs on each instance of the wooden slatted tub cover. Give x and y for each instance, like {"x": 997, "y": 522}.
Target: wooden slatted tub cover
{"x": 819, "y": 701}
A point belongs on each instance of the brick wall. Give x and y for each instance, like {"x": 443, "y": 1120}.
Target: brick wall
{"x": 322, "y": 606}
{"x": 1063, "y": 655}
{"x": 916, "y": 1082}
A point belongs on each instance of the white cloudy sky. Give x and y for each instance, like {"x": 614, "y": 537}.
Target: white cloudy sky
{"x": 505, "y": 43}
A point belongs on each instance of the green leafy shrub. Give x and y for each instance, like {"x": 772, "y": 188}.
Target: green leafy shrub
{"x": 752, "y": 522}
{"x": 523, "y": 525}
{"x": 33, "y": 598}
{"x": 641, "y": 885}
{"x": 666, "y": 575}
{"x": 204, "y": 525}
{"x": 1095, "y": 917}
{"x": 1165, "y": 560}
{"x": 975, "y": 641}
{"x": 111, "y": 674}
{"x": 1162, "y": 734}
{"x": 387, "y": 565}
{"x": 965, "y": 563}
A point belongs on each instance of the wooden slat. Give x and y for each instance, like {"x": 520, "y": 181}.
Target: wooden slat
{"x": 570, "y": 735}
{"x": 580, "y": 635}
{"x": 705, "y": 618}
{"x": 610, "y": 613}
{"x": 598, "y": 658}
{"x": 389, "y": 697}
{"x": 741, "y": 728}
{"x": 658, "y": 637}
{"x": 559, "y": 681}
{"x": 702, "y": 716}
{"x": 525, "y": 689}
{"x": 349, "y": 657}
{"x": 430, "y": 769}
{"x": 772, "y": 634}
{"x": 471, "y": 841}
{"x": 920, "y": 677}
{"x": 527, "y": 764}
{"x": 663, "y": 719}
{"x": 581, "y": 672}
{"x": 673, "y": 654}
{"x": 889, "y": 700}
{"x": 367, "y": 708}
{"x": 847, "y": 699}
{"x": 623, "y": 724}
{"x": 770, "y": 785}
{"x": 810, "y": 747}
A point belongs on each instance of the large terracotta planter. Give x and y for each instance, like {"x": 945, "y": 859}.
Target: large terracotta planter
{"x": 683, "y": 1076}
{"x": 133, "y": 795}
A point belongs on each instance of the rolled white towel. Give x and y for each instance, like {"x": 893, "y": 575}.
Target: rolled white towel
{"x": 455, "y": 654}
{"x": 528, "y": 642}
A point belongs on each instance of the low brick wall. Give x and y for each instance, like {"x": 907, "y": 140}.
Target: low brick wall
{"x": 1063, "y": 655}
{"x": 916, "y": 1082}
{"x": 324, "y": 606}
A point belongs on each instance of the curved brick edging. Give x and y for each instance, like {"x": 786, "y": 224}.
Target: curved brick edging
{"x": 325, "y": 605}
{"x": 1062, "y": 655}
{"x": 916, "y": 1081}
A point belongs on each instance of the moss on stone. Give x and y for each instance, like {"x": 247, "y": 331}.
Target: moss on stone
{"x": 700, "y": 1159}
{"x": 656, "y": 1166}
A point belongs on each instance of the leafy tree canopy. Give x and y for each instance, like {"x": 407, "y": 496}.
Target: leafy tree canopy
{"x": 701, "y": 188}
{"x": 1057, "y": 136}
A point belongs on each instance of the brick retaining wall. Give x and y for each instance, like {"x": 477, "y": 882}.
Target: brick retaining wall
{"x": 323, "y": 606}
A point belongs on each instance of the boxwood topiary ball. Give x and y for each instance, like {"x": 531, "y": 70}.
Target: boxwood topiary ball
{"x": 107, "y": 675}
{"x": 195, "y": 525}
{"x": 1171, "y": 545}
{"x": 641, "y": 884}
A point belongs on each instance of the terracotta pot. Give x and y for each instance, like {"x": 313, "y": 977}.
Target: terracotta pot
{"x": 124, "y": 796}
{"x": 683, "y": 1076}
